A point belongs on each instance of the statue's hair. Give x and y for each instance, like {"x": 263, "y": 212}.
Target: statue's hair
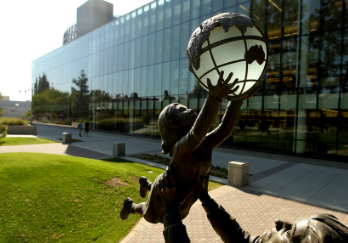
{"x": 335, "y": 231}
{"x": 169, "y": 134}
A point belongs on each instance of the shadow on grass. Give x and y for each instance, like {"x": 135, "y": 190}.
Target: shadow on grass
{"x": 2, "y": 142}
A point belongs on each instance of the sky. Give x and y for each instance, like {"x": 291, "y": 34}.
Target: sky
{"x": 33, "y": 28}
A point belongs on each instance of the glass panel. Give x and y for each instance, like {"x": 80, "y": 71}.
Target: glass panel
{"x": 174, "y": 76}
{"x": 132, "y": 56}
{"x": 160, "y": 15}
{"x": 184, "y": 38}
{"x": 143, "y": 82}
{"x": 206, "y": 7}
{"x": 166, "y": 80}
{"x": 244, "y": 8}
{"x": 332, "y": 14}
{"x": 159, "y": 46}
{"x": 310, "y": 17}
{"x": 150, "y": 80}
{"x": 306, "y": 121}
{"x": 137, "y": 78}
{"x": 290, "y": 63}
{"x": 329, "y": 59}
{"x": 185, "y": 15}
{"x": 158, "y": 80}
{"x": 152, "y": 18}
{"x": 342, "y": 147}
{"x": 309, "y": 56}
{"x": 253, "y": 121}
{"x": 327, "y": 118}
{"x": 175, "y": 47}
{"x": 131, "y": 84}
{"x": 167, "y": 13}
{"x": 125, "y": 84}
{"x": 176, "y": 12}
{"x": 217, "y": 5}
{"x": 184, "y": 76}
{"x": 151, "y": 49}
{"x": 145, "y": 28}
{"x": 137, "y": 58}
{"x": 229, "y": 3}
{"x": 195, "y": 9}
{"x": 167, "y": 44}
{"x": 273, "y": 68}
{"x": 274, "y": 19}
{"x": 144, "y": 50}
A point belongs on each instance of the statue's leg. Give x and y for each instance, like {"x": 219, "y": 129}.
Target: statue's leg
{"x": 128, "y": 208}
{"x": 145, "y": 186}
{"x": 139, "y": 208}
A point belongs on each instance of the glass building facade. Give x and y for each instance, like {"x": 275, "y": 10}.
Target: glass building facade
{"x": 122, "y": 74}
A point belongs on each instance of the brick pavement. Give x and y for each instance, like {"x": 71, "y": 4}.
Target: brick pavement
{"x": 254, "y": 211}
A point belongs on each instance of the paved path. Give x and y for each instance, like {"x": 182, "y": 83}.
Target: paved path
{"x": 280, "y": 187}
{"x": 254, "y": 211}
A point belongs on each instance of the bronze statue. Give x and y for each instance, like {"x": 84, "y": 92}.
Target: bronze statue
{"x": 186, "y": 137}
{"x": 319, "y": 228}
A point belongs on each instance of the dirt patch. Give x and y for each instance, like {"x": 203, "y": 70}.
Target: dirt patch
{"x": 116, "y": 182}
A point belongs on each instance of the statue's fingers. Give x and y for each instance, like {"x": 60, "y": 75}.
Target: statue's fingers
{"x": 233, "y": 84}
{"x": 209, "y": 84}
{"x": 234, "y": 90}
{"x": 228, "y": 79}
{"x": 221, "y": 78}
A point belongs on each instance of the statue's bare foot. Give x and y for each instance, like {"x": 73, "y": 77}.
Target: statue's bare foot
{"x": 128, "y": 208}
{"x": 145, "y": 186}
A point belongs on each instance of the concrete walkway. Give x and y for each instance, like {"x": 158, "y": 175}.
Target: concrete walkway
{"x": 280, "y": 186}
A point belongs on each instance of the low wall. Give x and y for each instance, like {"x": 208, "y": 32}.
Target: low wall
{"x": 17, "y": 129}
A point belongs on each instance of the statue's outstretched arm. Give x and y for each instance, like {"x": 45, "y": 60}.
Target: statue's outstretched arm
{"x": 193, "y": 139}
{"x": 229, "y": 120}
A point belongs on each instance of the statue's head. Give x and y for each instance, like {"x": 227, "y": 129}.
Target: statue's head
{"x": 174, "y": 121}
{"x": 318, "y": 228}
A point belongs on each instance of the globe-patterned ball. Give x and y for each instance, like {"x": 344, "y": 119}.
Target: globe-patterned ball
{"x": 228, "y": 42}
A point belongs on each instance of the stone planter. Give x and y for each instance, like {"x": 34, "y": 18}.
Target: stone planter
{"x": 22, "y": 129}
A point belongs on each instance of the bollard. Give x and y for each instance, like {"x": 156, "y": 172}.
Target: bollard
{"x": 67, "y": 138}
{"x": 119, "y": 149}
{"x": 238, "y": 173}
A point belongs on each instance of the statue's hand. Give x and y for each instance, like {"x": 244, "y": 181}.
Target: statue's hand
{"x": 222, "y": 89}
{"x": 246, "y": 95}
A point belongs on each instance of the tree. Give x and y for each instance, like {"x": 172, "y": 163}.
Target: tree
{"x": 0, "y": 107}
{"x": 26, "y": 115}
{"x": 3, "y": 128}
{"x": 41, "y": 84}
{"x": 79, "y": 97}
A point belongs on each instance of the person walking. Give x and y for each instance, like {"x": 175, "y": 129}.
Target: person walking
{"x": 86, "y": 128}
{"x": 79, "y": 127}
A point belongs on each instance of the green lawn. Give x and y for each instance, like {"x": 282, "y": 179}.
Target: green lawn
{"x": 55, "y": 198}
{"x": 23, "y": 141}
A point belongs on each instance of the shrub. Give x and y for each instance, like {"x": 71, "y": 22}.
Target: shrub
{"x": 146, "y": 119}
{"x": 12, "y": 121}
{"x": 3, "y": 131}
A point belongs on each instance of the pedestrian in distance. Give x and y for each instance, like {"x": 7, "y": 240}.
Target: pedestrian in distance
{"x": 79, "y": 127}
{"x": 86, "y": 128}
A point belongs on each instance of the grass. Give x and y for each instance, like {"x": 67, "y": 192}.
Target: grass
{"x": 23, "y": 141}
{"x": 13, "y": 121}
{"x": 55, "y": 198}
